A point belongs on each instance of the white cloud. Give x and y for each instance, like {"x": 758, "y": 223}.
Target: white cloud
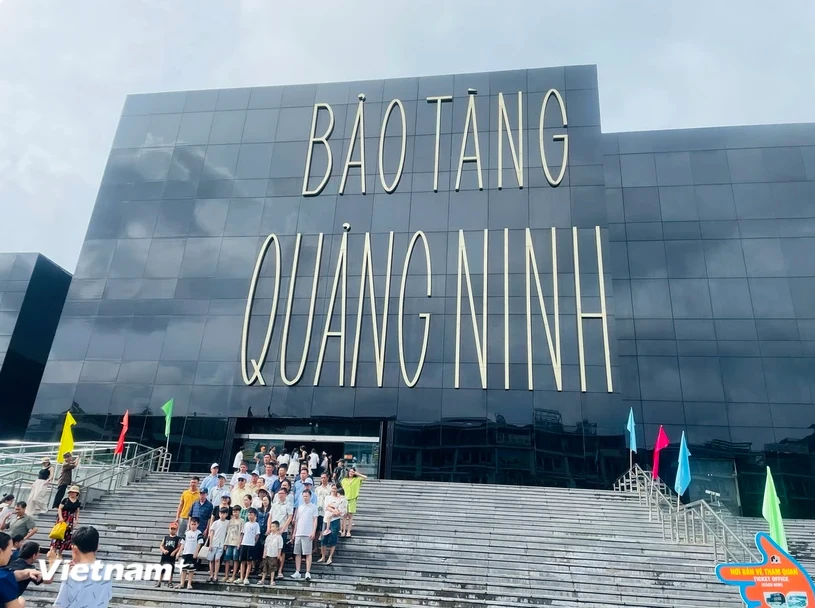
{"x": 65, "y": 69}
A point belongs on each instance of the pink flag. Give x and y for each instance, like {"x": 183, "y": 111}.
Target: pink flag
{"x": 120, "y": 447}
{"x": 662, "y": 442}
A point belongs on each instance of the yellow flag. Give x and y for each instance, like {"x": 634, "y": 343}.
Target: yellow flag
{"x": 66, "y": 443}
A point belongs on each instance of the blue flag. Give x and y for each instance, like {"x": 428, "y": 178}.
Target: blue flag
{"x": 683, "y": 472}
{"x": 632, "y": 431}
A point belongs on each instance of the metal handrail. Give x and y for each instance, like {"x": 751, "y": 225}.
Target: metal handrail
{"x": 125, "y": 472}
{"x": 122, "y": 471}
{"x": 695, "y": 523}
{"x": 697, "y": 520}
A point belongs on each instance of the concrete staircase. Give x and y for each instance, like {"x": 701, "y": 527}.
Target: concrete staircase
{"x": 438, "y": 544}
{"x": 800, "y": 538}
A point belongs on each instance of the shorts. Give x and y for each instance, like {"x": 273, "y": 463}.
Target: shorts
{"x": 303, "y": 545}
{"x": 167, "y": 559}
{"x": 248, "y": 553}
{"x": 352, "y": 505}
{"x": 215, "y": 553}
{"x": 188, "y": 562}
{"x": 331, "y": 539}
{"x": 288, "y": 548}
{"x": 231, "y": 554}
{"x": 270, "y": 565}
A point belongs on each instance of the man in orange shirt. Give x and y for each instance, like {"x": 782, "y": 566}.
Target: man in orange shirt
{"x": 188, "y": 498}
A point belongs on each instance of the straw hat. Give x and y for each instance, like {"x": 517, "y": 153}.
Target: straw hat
{"x": 73, "y": 489}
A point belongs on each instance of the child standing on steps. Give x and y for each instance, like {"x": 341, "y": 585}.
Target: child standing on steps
{"x": 217, "y": 540}
{"x": 170, "y": 548}
{"x": 249, "y": 538}
{"x": 231, "y": 545}
{"x": 272, "y": 552}
{"x": 190, "y": 546}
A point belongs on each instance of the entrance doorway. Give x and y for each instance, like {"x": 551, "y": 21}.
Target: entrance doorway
{"x": 363, "y": 452}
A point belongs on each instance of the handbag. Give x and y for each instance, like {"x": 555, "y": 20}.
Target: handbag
{"x": 58, "y": 531}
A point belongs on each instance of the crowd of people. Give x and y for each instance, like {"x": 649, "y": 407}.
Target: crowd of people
{"x": 264, "y": 515}
{"x": 17, "y": 518}
{"x": 249, "y": 524}
{"x": 18, "y": 552}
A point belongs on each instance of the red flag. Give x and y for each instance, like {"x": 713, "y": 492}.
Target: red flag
{"x": 120, "y": 447}
{"x": 662, "y": 442}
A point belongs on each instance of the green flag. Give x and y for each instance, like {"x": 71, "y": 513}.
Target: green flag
{"x": 771, "y": 511}
{"x": 168, "y": 416}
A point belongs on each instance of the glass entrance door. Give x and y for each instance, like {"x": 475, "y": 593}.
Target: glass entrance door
{"x": 362, "y": 452}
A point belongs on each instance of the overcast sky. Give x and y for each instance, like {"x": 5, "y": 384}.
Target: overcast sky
{"x": 66, "y": 66}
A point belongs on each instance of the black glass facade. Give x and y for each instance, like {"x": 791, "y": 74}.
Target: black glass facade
{"x": 703, "y": 238}
{"x": 32, "y": 292}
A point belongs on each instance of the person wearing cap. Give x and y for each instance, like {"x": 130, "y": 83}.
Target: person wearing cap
{"x": 244, "y": 468}
{"x": 170, "y": 548}
{"x": 211, "y": 480}
{"x": 202, "y": 509}
{"x": 66, "y": 476}
{"x": 67, "y": 512}
{"x": 217, "y": 492}
{"x": 40, "y": 489}
{"x": 253, "y": 481}
{"x": 240, "y": 490}
{"x": 260, "y": 489}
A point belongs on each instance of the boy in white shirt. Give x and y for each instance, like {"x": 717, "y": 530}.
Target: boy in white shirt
{"x": 272, "y": 553}
{"x": 217, "y": 540}
{"x": 249, "y": 538}
{"x": 190, "y": 546}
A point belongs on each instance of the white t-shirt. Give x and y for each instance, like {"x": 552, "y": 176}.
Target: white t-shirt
{"x": 191, "y": 540}
{"x": 84, "y": 594}
{"x": 7, "y": 510}
{"x": 280, "y": 512}
{"x": 321, "y": 492}
{"x": 273, "y": 545}
{"x": 251, "y": 531}
{"x": 294, "y": 463}
{"x": 268, "y": 479}
{"x": 238, "y": 460}
{"x": 313, "y": 461}
{"x": 217, "y": 533}
{"x": 337, "y": 502}
{"x": 283, "y": 459}
{"x": 304, "y": 519}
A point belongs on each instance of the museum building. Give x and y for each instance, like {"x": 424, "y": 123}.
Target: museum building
{"x": 450, "y": 278}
